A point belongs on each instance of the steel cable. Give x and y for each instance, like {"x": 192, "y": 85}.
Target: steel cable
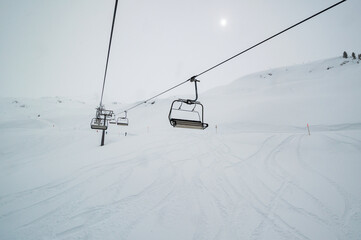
{"x": 238, "y": 54}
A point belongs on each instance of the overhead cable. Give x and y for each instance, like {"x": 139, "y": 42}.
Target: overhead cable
{"x": 238, "y": 54}
{"x": 110, "y": 44}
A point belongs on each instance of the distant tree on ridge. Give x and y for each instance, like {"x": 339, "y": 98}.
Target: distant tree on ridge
{"x": 353, "y": 55}
{"x": 345, "y": 54}
{"x": 359, "y": 56}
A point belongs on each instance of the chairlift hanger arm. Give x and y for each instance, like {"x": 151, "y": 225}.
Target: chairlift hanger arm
{"x": 193, "y": 79}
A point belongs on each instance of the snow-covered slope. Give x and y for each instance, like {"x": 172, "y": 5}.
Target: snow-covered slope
{"x": 258, "y": 175}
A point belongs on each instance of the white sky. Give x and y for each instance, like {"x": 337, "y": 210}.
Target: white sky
{"x": 58, "y": 48}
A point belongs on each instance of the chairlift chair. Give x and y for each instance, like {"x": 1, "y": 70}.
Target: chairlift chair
{"x": 102, "y": 116}
{"x": 99, "y": 124}
{"x": 107, "y": 113}
{"x": 123, "y": 120}
{"x": 101, "y": 111}
{"x": 195, "y": 108}
{"x": 112, "y": 120}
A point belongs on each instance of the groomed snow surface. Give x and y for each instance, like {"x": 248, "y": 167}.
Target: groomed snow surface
{"x": 258, "y": 175}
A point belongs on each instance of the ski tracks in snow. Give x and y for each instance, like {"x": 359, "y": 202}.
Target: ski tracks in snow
{"x": 197, "y": 187}
{"x": 281, "y": 216}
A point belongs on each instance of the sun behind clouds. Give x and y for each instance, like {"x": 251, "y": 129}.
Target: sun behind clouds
{"x": 223, "y": 22}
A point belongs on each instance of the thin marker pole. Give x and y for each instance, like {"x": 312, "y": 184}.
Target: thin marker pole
{"x": 308, "y": 128}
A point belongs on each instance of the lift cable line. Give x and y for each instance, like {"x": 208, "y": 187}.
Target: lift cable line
{"x": 110, "y": 44}
{"x": 238, "y": 54}
{"x": 285, "y": 30}
{"x": 159, "y": 94}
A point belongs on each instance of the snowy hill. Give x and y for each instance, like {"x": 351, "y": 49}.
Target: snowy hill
{"x": 259, "y": 175}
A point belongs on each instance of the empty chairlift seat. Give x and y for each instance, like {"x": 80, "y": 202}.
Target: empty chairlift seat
{"x": 99, "y": 124}
{"x": 187, "y": 113}
{"x": 112, "y": 120}
{"x": 123, "y": 120}
{"x": 102, "y": 117}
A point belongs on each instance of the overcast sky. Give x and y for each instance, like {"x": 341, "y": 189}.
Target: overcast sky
{"x": 58, "y": 48}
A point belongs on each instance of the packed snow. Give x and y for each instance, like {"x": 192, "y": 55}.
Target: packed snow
{"x": 254, "y": 173}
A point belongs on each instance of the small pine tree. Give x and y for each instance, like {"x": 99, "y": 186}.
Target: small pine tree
{"x": 345, "y": 54}
{"x": 353, "y": 55}
{"x": 359, "y": 56}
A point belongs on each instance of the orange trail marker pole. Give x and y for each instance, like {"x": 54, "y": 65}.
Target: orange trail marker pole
{"x": 308, "y": 128}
